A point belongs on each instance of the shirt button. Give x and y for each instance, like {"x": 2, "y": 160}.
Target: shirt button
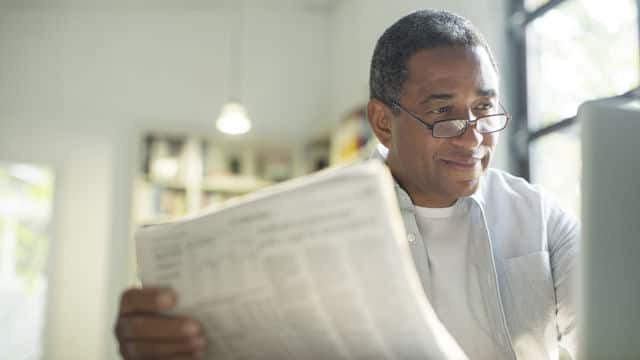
{"x": 411, "y": 237}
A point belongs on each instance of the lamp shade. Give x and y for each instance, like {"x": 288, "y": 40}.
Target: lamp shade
{"x": 233, "y": 119}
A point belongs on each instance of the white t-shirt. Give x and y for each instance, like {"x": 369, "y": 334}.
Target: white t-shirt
{"x": 455, "y": 292}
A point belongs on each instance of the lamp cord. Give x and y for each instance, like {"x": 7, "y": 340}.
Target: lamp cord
{"x": 236, "y": 48}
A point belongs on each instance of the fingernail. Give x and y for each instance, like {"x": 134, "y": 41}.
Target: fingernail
{"x": 165, "y": 300}
{"x": 191, "y": 328}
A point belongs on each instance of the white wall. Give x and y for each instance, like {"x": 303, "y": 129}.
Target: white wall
{"x": 357, "y": 24}
{"x": 161, "y": 66}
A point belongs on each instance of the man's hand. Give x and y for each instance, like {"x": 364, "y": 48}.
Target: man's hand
{"x": 143, "y": 332}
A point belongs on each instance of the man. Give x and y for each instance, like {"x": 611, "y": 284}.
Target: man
{"x": 496, "y": 257}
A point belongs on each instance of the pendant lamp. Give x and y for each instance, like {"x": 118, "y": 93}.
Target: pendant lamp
{"x": 233, "y": 119}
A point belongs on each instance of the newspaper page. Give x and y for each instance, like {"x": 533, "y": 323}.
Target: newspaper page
{"x": 315, "y": 268}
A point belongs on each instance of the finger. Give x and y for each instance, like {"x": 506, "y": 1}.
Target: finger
{"x": 156, "y": 328}
{"x": 147, "y": 300}
{"x": 188, "y": 348}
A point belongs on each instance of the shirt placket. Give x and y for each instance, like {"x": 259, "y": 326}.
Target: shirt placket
{"x": 416, "y": 244}
{"x": 484, "y": 262}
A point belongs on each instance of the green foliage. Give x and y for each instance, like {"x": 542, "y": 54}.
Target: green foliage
{"x": 31, "y": 254}
{"x": 41, "y": 192}
{"x": 31, "y": 238}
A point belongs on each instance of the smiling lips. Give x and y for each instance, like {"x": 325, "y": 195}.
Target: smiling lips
{"x": 462, "y": 164}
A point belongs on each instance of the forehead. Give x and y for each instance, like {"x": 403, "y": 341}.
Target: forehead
{"x": 451, "y": 69}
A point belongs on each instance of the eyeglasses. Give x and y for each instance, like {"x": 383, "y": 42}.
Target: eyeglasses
{"x": 449, "y": 128}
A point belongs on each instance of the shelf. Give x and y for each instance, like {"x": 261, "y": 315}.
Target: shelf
{"x": 182, "y": 174}
{"x": 168, "y": 184}
{"x": 237, "y": 184}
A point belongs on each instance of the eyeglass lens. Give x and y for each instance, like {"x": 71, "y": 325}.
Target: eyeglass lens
{"x": 486, "y": 124}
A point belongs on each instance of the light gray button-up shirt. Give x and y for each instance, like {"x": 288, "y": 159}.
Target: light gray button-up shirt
{"x": 525, "y": 255}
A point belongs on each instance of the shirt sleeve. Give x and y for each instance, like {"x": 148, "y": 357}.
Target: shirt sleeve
{"x": 563, "y": 234}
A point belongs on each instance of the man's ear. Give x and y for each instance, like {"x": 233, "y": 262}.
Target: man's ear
{"x": 380, "y": 120}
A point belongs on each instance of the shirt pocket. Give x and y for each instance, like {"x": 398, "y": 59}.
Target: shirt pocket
{"x": 530, "y": 306}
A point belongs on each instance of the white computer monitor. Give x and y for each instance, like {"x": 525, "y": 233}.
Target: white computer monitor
{"x": 610, "y": 327}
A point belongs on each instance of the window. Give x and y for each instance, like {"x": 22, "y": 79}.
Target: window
{"x": 26, "y": 194}
{"x": 572, "y": 51}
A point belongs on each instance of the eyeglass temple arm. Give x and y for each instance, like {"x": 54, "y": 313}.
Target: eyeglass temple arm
{"x": 427, "y": 125}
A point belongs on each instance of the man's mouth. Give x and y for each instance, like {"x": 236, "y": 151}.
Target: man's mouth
{"x": 462, "y": 164}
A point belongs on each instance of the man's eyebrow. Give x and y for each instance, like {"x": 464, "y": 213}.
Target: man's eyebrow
{"x": 487, "y": 92}
{"x": 436, "y": 97}
{"x": 447, "y": 96}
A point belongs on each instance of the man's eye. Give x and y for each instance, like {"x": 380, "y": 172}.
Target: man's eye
{"x": 440, "y": 110}
{"x": 484, "y": 107}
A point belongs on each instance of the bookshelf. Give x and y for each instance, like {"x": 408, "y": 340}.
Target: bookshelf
{"x": 182, "y": 174}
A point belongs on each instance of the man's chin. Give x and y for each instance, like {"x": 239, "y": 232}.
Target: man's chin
{"x": 464, "y": 188}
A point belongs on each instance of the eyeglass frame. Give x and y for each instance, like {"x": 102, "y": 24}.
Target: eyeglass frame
{"x": 466, "y": 124}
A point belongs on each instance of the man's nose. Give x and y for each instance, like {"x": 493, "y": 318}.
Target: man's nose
{"x": 471, "y": 138}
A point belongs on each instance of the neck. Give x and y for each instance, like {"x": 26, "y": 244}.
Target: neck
{"x": 419, "y": 198}
{"x": 423, "y": 200}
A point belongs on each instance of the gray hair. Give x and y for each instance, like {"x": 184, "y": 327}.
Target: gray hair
{"x": 425, "y": 29}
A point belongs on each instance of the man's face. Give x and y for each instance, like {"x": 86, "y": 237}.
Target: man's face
{"x": 443, "y": 83}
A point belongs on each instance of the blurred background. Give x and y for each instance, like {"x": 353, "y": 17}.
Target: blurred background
{"x": 115, "y": 114}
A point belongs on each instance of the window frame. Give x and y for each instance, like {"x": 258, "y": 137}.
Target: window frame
{"x": 519, "y": 19}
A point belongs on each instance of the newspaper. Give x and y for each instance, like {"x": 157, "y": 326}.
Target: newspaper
{"x": 315, "y": 268}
